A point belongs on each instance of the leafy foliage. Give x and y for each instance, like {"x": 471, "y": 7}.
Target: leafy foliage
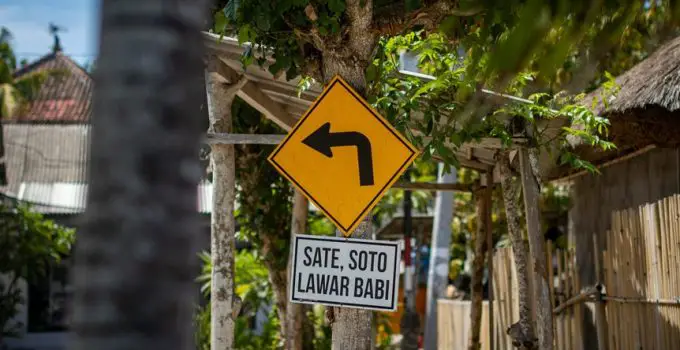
{"x": 434, "y": 113}
{"x": 252, "y": 286}
{"x": 14, "y": 92}
{"x": 29, "y": 243}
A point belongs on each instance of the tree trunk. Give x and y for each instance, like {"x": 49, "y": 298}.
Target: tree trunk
{"x": 531, "y": 191}
{"x": 353, "y": 328}
{"x": 222, "y": 225}
{"x": 476, "y": 285}
{"x": 438, "y": 270}
{"x": 136, "y": 253}
{"x": 295, "y": 312}
{"x": 524, "y": 335}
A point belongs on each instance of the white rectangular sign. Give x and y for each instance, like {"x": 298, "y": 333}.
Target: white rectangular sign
{"x": 345, "y": 272}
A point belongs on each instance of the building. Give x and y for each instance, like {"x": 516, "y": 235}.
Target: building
{"x": 645, "y": 126}
{"x": 46, "y": 156}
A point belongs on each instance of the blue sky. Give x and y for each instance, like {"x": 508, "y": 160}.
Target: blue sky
{"x": 28, "y": 21}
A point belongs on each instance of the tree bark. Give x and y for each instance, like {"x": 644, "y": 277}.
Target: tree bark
{"x": 295, "y": 312}
{"x": 524, "y": 335}
{"x": 222, "y": 226}
{"x": 531, "y": 191}
{"x": 353, "y": 328}
{"x": 476, "y": 285}
{"x": 136, "y": 253}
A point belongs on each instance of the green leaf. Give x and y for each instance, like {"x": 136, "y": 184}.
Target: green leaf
{"x": 231, "y": 9}
{"x": 337, "y": 6}
{"x": 220, "y": 21}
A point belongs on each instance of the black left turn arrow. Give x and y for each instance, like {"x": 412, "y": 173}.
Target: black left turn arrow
{"x": 323, "y": 139}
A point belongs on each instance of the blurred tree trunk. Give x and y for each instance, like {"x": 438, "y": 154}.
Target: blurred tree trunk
{"x": 136, "y": 253}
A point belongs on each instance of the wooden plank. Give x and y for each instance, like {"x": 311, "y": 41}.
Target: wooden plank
{"x": 242, "y": 139}
{"x": 251, "y": 94}
{"x": 426, "y": 186}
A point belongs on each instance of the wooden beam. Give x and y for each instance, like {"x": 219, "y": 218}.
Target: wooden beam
{"x": 242, "y": 139}
{"x": 251, "y": 93}
{"x": 426, "y": 186}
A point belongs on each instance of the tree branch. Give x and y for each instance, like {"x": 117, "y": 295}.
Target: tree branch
{"x": 361, "y": 38}
{"x": 393, "y": 19}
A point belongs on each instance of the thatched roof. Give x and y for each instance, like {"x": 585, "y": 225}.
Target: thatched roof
{"x": 654, "y": 82}
{"x": 644, "y": 112}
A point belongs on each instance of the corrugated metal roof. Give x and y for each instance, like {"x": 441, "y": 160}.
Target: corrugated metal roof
{"x": 47, "y": 167}
{"x": 71, "y": 198}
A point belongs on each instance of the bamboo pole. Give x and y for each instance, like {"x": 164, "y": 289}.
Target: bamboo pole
{"x": 600, "y": 312}
{"x": 490, "y": 249}
{"x": 568, "y": 316}
{"x": 551, "y": 279}
{"x": 560, "y": 287}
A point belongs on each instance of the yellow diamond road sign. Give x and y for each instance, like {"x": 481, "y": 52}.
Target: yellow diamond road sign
{"x": 343, "y": 155}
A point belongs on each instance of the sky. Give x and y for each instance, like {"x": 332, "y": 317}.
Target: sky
{"x": 28, "y": 22}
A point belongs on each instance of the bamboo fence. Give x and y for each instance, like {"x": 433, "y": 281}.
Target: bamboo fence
{"x": 641, "y": 263}
{"x": 565, "y": 285}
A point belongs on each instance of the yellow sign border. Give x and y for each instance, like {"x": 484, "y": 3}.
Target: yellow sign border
{"x": 414, "y": 153}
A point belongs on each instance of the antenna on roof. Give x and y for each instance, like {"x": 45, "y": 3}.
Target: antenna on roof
{"x": 54, "y": 31}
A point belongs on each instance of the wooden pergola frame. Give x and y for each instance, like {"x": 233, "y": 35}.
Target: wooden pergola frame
{"x": 280, "y": 101}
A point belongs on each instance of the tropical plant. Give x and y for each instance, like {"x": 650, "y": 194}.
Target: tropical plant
{"x": 29, "y": 245}
{"x": 14, "y": 91}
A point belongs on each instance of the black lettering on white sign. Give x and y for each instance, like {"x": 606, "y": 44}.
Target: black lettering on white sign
{"x": 345, "y": 272}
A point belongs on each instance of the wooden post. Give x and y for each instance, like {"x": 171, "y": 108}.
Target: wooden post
{"x": 488, "y": 222}
{"x": 224, "y": 306}
{"x": 476, "y": 286}
{"x": 531, "y": 191}
{"x": 522, "y": 332}
{"x": 600, "y": 312}
{"x": 295, "y": 316}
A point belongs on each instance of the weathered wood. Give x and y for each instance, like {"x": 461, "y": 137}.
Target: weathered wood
{"x": 295, "y": 312}
{"x": 541, "y": 294}
{"x": 476, "y": 285}
{"x": 425, "y": 186}
{"x": 520, "y": 250}
{"x": 222, "y": 224}
{"x": 274, "y": 111}
{"x": 136, "y": 252}
{"x": 488, "y": 230}
{"x": 600, "y": 311}
{"x": 242, "y": 139}
{"x": 251, "y": 93}
{"x": 587, "y": 295}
